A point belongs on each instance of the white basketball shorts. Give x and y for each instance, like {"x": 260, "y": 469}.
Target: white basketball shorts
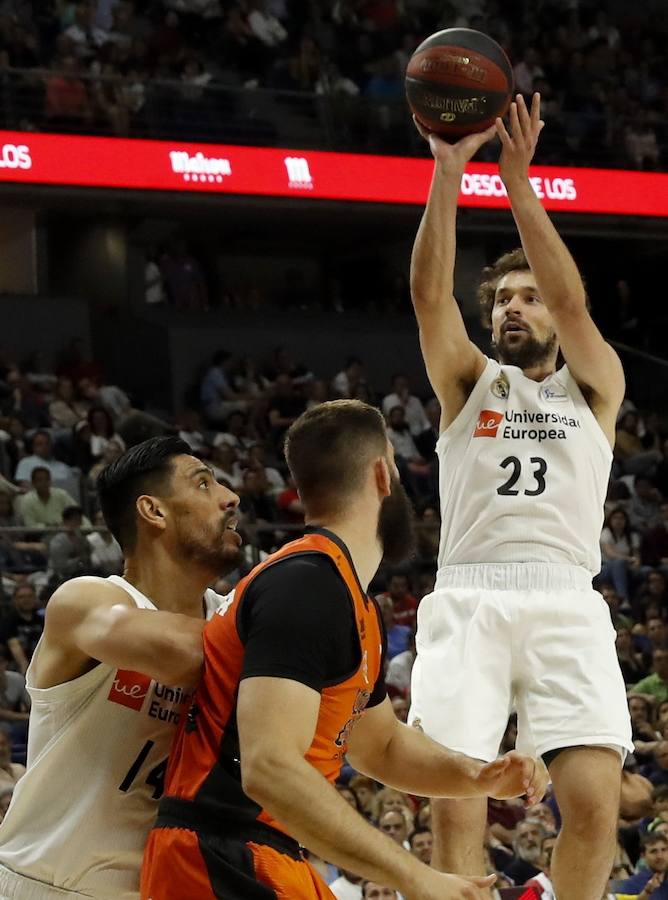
{"x": 530, "y": 637}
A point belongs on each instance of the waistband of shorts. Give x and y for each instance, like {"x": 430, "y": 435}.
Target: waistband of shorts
{"x": 515, "y": 577}
{"x": 174, "y": 812}
{"x": 22, "y": 887}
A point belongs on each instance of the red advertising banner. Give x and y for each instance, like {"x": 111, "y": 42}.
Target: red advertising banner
{"x": 213, "y": 168}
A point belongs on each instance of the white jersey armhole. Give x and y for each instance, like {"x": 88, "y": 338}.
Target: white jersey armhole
{"x": 597, "y": 431}
{"x": 471, "y": 407}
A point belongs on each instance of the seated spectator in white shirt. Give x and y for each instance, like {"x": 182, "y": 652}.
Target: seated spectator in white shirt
{"x": 105, "y": 551}
{"x": 413, "y": 408}
{"x": 346, "y": 381}
{"x": 43, "y": 506}
{"x": 264, "y": 25}
{"x": 225, "y": 466}
{"x": 102, "y": 431}
{"x": 42, "y": 455}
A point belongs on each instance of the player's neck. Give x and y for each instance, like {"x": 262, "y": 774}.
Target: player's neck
{"x": 539, "y": 372}
{"x": 169, "y": 584}
{"x": 355, "y": 531}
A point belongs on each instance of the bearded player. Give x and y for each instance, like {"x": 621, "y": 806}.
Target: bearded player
{"x": 525, "y": 451}
{"x": 111, "y": 678}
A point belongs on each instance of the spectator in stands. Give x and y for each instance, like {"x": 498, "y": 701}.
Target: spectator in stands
{"x": 641, "y": 144}
{"x": 102, "y": 431}
{"x": 23, "y": 627}
{"x": 217, "y": 396}
{"x": 371, "y": 890}
{"x": 416, "y": 471}
{"x": 656, "y": 684}
{"x": 290, "y": 506}
{"x": 527, "y": 71}
{"x": 111, "y": 453}
{"x": 346, "y": 381}
{"x": 10, "y": 772}
{"x": 393, "y": 824}
{"x": 265, "y": 26}
{"x": 5, "y": 799}
{"x": 238, "y": 433}
{"x": 257, "y": 504}
{"x": 257, "y": 458}
{"x": 43, "y": 506}
{"x": 426, "y": 441}
{"x": 14, "y": 701}
{"x": 189, "y": 423}
{"x": 404, "y": 603}
{"x": 421, "y": 842}
{"x": 620, "y": 551}
{"x": 658, "y": 772}
{"x": 399, "y": 669}
{"x": 429, "y": 533}
{"x": 401, "y": 395}
{"x": 225, "y": 466}
{"x": 527, "y": 843}
{"x": 398, "y": 636}
{"x": 542, "y": 882}
{"x": 285, "y": 407}
{"x": 347, "y": 886}
{"x": 67, "y": 101}
{"x": 631, "y": 662}
{"x": 400, "y": 707}
{"x": 65, "y": 410}
{"x": 106, "y": 555}
{"x": 69, "y": 551}
{"x": 8, "y": 518}
{"x": 652, "y": 596}
{"x": 654, "y": 546}
{"x": 365, "y": 790}
{"x": 645, "y": 511}
{"x": 184, "y": 279}
{"x": 42, "y": 456}
{"x": 650, "y": 881}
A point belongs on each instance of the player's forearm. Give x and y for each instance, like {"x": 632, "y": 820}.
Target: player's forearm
{"x": 166, "y": 646}
{"x": 415, "y": 764}
{"x": 557, "y": 277}
{"x": 319, "y": 819}
{"x": 433, "y": 258}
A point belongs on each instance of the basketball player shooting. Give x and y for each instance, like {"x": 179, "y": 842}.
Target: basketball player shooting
{"x": 112, "y": 676}
{"x": 525, "y": 451}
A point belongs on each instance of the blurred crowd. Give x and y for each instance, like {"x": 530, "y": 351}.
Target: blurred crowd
{"x": 600, "y": 72}
{"x": 61, "y": 423}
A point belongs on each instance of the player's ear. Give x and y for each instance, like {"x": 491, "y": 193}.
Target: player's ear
{"x": 149, "y": 509}
{"x": 383, "y": 476}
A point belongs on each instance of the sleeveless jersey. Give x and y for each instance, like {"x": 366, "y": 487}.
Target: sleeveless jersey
{"x": 523, "y": 473}
{"x": 204, "y": 775}
{"x": 97, "y": 756}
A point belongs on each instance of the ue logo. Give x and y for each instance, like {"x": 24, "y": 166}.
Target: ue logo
{"x": 129, "y": 689}
{"x": 488, "y": 423}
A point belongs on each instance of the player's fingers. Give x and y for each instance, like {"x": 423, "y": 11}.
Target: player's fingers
{"x": 524, "y": 117}
{"x": 515, "y": 127}
{"x": 535, "y": 109}
{"x": 504, "y": 137}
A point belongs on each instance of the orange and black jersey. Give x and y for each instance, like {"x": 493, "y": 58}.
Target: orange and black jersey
{"x": 303, "y": 615}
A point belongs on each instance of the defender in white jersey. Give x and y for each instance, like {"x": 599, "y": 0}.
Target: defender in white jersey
{"x": 111, "y": 677}
{"x": 524, "y": 453}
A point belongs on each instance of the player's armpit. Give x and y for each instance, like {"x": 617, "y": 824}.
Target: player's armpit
{"x": 89, "y": 620}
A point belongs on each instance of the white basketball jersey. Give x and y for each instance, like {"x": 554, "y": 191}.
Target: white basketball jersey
{"x": 523, "y": 473}
{"x": 97, "y": 754}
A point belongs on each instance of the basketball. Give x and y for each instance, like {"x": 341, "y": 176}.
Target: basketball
{"x": 458, "y": 81}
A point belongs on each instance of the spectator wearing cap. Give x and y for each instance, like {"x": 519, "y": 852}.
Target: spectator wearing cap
{"x": 69, "y": 551}
{"x": 42, "y": 455}
{"x": 43, "y": 506}
{"x": 23, "y": 626}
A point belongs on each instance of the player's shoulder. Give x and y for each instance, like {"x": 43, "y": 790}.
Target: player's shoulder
{"x": 79, "y": 595}
{"x": 301, "y": 570}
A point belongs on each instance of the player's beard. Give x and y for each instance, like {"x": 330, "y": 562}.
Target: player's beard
{"x": 211, "y": 547}
{"x": 396, "y": 525}
{"x": 527, "y": 354}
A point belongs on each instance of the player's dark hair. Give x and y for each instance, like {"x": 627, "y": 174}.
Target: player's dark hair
{"x": 328, "y": 449}
{"x": 145, "y": 468}
{"x": 653, "y": 837}
{"x": 515, "y": 261}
